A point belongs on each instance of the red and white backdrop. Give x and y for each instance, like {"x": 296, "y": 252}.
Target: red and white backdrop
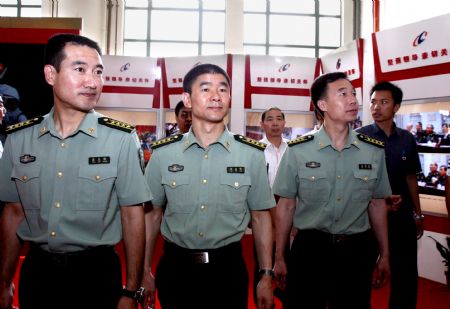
{"x": 347, "y": 59}
{"x": 131, "y": 82}
{"x": 279, "y": 81}
{"x": 416, "y": 56}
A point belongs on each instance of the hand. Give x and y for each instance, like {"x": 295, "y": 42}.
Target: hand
{"x": 280, "y": 270}
{"x": 382, "y": 273}
{"x": 2, "y": 112}
{"x": 6, "y": 297}
{"x": 127, "y": 303}
{"x": 393, "y": 202}
{"x": 419, "y": 228}
{"x": 148, "y": 282}
{"x": 264, "y": 293}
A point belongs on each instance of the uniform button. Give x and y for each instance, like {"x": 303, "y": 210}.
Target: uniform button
{"x": 202, "y": 207}
{"x": 174, "y": 183}
{"x": 63, "y": 145}
{"x": 313, "y": 178}
{"x": 24, "y": 178}
{"x": 57, "y": 205}
{"x": 339, "y": 177}
{"x": 53, "y": 234}
{"x": 236, "y": 184}
{"x": 206, "y": 156}
{"x": 200, "y": 234}
{"x": 366, "y": 178}
{"x": 205, "y": 181}
{"x": 97, "y": 177}
{"x": 60, "y": 174}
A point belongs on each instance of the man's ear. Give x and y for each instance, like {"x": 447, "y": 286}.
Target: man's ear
{"x": 322, "y": 104}
{"x": 396, "y": 107}
{"x": 186, "y": 97}
{"x": 50, "y": 74}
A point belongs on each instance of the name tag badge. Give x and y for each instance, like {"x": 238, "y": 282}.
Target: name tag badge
{"x": 236, "y": 169}
{"x": 312, "y": 164}
{"x": 175, "y": 168}
{"x": 99, "y": 160}
{"x": 365, "y": 166}
{"x": 27, "y": 158}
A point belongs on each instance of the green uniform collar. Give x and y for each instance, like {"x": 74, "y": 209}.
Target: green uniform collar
{"x": 226, "y": 140}
{"x": 89, "y": 125}
{"x": 323, "y": 140}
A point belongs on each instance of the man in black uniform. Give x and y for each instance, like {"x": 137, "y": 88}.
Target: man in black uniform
{"x": 405, "y": 219}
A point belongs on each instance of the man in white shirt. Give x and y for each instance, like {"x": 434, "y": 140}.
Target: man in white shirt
{"x": 273, "y": 123}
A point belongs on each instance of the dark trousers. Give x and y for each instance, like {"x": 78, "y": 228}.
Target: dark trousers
{"x": 183, "y": 280}
{"x": 403, "y": 261}
{"x": 330, "y": 271}
{"x": 86, "y": 279}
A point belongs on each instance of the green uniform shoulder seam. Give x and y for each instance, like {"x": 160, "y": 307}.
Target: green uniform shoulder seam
{"x": 116, "y": 124}
{"x": 166, "y": 141}
{"x": 371, "y": 140}
{"x": 250, "y": 142}
{"x": 300, "y": 140}
{"x": 24, "y": 124}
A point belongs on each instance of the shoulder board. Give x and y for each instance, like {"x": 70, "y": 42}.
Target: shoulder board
{"x": 250, "y": 142}
{"x": 23, "y": 124}
{"x": 371, "y": 140}
{"x": 166, "y": 141}
{"x": 300, "y": 140}
{"x": 116, "y": 124}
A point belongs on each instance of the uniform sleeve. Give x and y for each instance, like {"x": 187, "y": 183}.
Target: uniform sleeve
{"x": 8, "y": 189}
{"x": 382, "y": 186}
{"x": 414, "y": 166}
{"x": 131, "y": 186}
{"x": 286, "y": 183}
{"x": 154, "y": 179}
{"x": 259, "y": 195}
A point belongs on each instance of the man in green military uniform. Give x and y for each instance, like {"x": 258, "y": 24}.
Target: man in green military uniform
{"x": 212, "y": 183}
{"x": 339, "y": 178}
{"x": 73, "y": 186}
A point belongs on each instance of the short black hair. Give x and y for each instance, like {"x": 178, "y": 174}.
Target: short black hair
{"x": 200, "y": 69}
{"x": 54, "y": 51}
{"x": 396, "y": 92}
{"x": 320, "y": 86}
{"x": 443, "y": 166}
{"x": 263, "y": 116}
{"x": 178, "y": 108}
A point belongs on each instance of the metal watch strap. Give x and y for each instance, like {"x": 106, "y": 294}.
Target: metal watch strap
{"x": 266, "y": 271}
{"x": 137, "y": 295}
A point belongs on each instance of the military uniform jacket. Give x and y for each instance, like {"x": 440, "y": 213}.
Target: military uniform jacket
{"x": 333, "y": 188}
{"x": 209, "y": 192}
{"x": 71, "y": 188}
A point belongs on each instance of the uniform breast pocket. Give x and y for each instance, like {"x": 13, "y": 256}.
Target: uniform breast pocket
{"x": 363, "y": 184}
{"x": 314, "y": 186}
{"x": 28, "y": 182}
{"x": 178, "y": 192}
{"x": 95, "y": 186}
{"x": 233, "y": 192}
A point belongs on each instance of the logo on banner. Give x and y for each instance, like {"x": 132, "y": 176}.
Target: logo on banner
{"x": 284, "y": 67}
{"x": 420, "y": 39}
{"x": 125, "y": 67}
{"x": 338, "y": 64}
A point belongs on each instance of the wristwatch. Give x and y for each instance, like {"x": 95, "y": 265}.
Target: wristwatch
{"x": 419, "y": 217}
{"x": 137, "y": 295}
{"x": 266, "y": 272}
